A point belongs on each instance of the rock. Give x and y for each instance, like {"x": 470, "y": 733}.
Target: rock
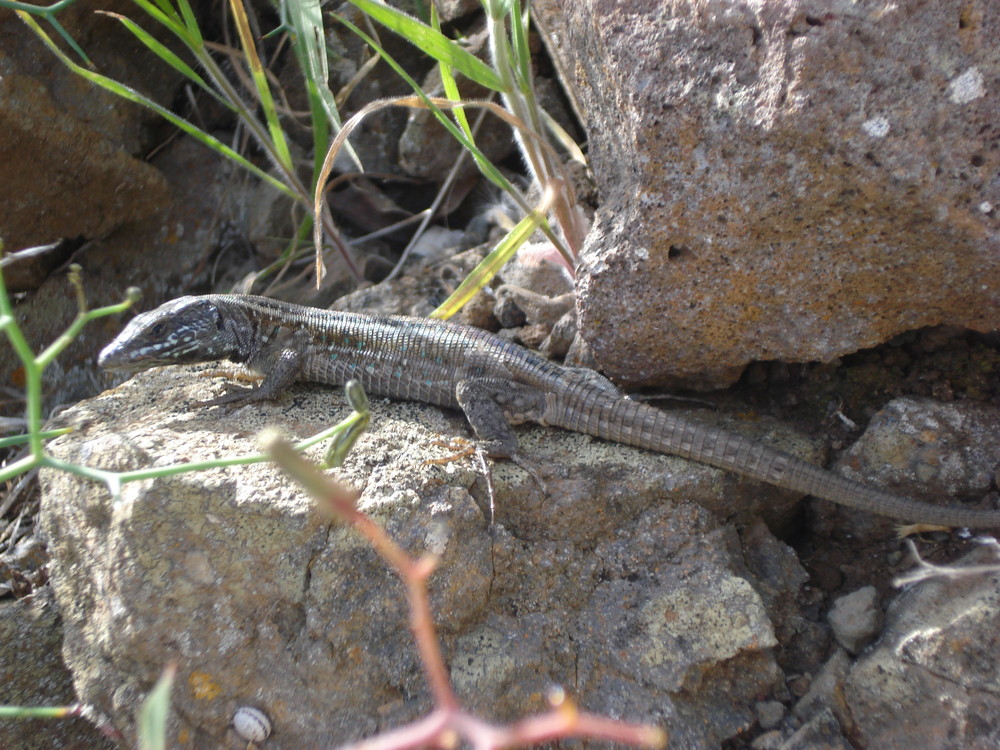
{"x": 376, "y": 141}
{"x": 452, "y": 9}
{"x": 23, "y": 568}
{"x": 856, "y": 619}
{"x": 429, "y": 153}
{"x": 620, "y": 583}
{"x": 765, "y": 169}
{"x": 921, "y": 448}
{"x": 933, "y": 679}
{"x": 41, "y": 138}
{"x": 162, "y": 254}
{"x": 821, "y": 732}
{"x": 72, "y": 153}
{"x": 418, "y": 292}
{"x": 826, "y": 691}
{"x": 768, "y": 741}
{"x": 769, "y": 713}
{"x": 950, "y": 448}
{"x": 32, "y": 674}
{"x": 536, "y": 309}
{"x": 782, "y": 585}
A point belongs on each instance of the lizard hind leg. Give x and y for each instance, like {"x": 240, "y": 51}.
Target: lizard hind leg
{"x": 492, "y": 405}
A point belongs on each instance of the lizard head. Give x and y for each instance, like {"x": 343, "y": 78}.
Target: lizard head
{"x": 184, "y": 330}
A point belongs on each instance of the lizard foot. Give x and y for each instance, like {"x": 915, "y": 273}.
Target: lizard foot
{"x": 239, "y": 375}
{"x": 483, "y": 455}
{"x": 235, "y": 395}
{"x": 532, "y": 470}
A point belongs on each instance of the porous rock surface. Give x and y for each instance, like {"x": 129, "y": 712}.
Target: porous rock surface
{"x": 71, "y": 152}
{"x": 788, "y": 180}
{"x": 923, "y": 448}
{"x": 33, "y": 674}
{"x": 618, "y": 584}
{"x": 934, "y": 678}
{"x": 626, "y": 582}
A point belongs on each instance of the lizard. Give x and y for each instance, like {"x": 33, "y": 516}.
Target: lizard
{"x": 494, "y": 382}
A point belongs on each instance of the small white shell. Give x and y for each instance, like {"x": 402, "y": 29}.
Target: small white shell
{"x": 251, "y": 724}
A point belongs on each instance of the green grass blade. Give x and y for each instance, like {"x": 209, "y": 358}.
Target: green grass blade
{"x": 166, "y": 7}
{"x": 485, "y": 166}
{"x": 37, "y": 712}
{"x": 168, "y": 17}
{"x": 153, "y": 713}
{"x": 497, "y": 8}
{"x": 306, "y": 20}
{"x": 166, "y": 55}
{"x": 321, "y": 132}
{"x": 432, "y": 43}
{"x": 190, "y": 22}
{"x": 280, "y": 150}
{"x": 519, "y": 36}
{"x": 69, "y": 40}
{"x": 449, "y": 84}
{"x": 130, "y": 94}
{"x": 489, "y": 267}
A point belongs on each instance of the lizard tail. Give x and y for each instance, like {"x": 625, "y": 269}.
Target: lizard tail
{"x": 624, "y": 421}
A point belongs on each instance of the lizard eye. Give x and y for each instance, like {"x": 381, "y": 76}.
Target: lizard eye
{"x": 157, "y": 330}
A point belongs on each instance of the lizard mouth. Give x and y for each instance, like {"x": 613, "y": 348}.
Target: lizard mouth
{"x": 107, "y": 362}
{"x": 117, "y": 361}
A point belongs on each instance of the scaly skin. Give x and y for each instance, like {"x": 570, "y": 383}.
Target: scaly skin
{"x": 494, "y": 382}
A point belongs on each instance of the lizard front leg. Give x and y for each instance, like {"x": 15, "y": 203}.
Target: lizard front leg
{"x": 284, "y": 370}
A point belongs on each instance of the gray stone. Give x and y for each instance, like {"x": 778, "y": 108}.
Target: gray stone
{"x": 770, "y": 713}
{"x": 826, "y": 691}
{"x": 620, "y": 583}
{"x": 821, "y": 732}
{"x": 773, "y": 173}
{"x": 933, "y": 679}
{"x": 925, "y": 449}
{"x": 856, "y": 619}
{"x": 949, "y": 448}
{"x": 32, "y": 674}
{"x": 768, "y": 741}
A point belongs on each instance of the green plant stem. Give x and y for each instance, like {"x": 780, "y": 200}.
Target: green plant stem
{"x": 33, "y": 366}
{"x": 38, "y": 712}
{"x": 10, "y": 442}
{"x": 37, "y": 10}
{"x": 518, "y": 95}
{"x": 343, "y": 434}
{"x": 48, "y": 12}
